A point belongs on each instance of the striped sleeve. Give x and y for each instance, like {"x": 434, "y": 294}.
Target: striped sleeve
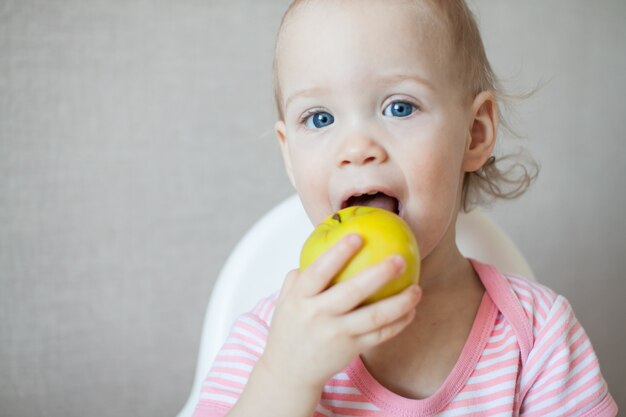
{"x": 233, "y": 364}
{"x": 562, "y": 374}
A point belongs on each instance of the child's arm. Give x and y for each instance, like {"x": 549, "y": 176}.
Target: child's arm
{"x": 316, "y": 331}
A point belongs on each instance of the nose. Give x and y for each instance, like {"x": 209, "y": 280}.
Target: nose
{"x": 360, "y": 149}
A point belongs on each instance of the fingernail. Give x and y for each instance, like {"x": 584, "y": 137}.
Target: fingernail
{"x": 399, "y": 263}
{"x": 417, "y": 291}
{"x": 354, "y": 239}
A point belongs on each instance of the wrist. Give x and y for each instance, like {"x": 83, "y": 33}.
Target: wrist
{"x": 270, "y": 371}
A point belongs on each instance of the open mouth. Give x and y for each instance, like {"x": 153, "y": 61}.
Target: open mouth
{"x": 374, "y": 199}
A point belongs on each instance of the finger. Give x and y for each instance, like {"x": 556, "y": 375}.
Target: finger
{"x": 374, "y": 317}
{"x": 317, "y": 277}
{"x": 381, "y": 335}
{"x": 349, "y": 294}
{"x": 289, "y": 282}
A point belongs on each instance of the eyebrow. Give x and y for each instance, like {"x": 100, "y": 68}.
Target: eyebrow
{"x": 307, "y": 92}
{"x": 389, "y": 80}
{"x": 396, "y": 78}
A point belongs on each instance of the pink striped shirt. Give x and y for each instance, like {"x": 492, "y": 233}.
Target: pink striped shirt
{"x": 526, "y": 355}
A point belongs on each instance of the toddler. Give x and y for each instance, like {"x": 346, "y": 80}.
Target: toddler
{"x": 393, "y": 104}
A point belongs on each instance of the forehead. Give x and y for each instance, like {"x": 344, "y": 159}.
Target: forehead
{"x": 344, "y": 41}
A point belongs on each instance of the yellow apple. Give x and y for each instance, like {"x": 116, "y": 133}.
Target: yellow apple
{"x": 384, "y": 233}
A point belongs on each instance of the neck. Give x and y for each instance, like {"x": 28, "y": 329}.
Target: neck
{"x": 445, "y": 267}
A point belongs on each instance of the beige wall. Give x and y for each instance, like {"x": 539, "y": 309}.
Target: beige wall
{"x": 136, "y": 147}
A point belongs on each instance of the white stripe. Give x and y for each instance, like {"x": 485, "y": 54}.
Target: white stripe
{"x": 233, "y": 365}
{"x": 499, "y": 326}
{"x": 222, "y": 387}
{"x": 254, "y": 323}
{"x": 476, "y": 408}
{"x": 492, "y": 375}
{"x": 560, "y": 396}
{"x": 539, "y": 363}
{"x": 341, "y": 377}
{"x": 237, "y": 341}
{"x": 600, "y": 395}
{"x": 571, "y": 373}
{"x": 265, "y": 311}
{"x": 515, "y": 279}
{"x": 247, "y": 333}
{"x": 500, "y": 337}
{"x": 502, "y": 414}
{"x": 355, "y": 405}
{"x": 324, "y": 411}
{"x": 342, "y": 390}
{"x": 564, "y": 409}
{"x": 496, "y": 360}
{"x": 529, "y": 308}
{"x": 522, "y": 291}
{"x": 540, "y": 297}
{"x": 563, "y": 381}
{"x": 556, "y": 369}
{"x": 320, "y": 409}
{"x": 492, "y": 389}
{"x": 218, "y": 397}
{"x": 511, "y": 340}
{"x": 565, "y": 352}
{"x": 229, "y": 377}
{"x": 238, "y": 354}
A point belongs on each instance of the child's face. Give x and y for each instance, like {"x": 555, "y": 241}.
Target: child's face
{"x": 369, "y": 107}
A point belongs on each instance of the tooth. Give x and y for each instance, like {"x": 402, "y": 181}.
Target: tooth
{"x": 372, "y": 193}
{"x": 357, "y": 195}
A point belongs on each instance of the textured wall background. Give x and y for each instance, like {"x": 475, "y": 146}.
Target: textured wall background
{"x": 136, "y": 147}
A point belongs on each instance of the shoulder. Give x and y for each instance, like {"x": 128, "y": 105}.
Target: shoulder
{"x": 561, "y": 374}
{"x": 538, "y": 302}
{"x": 533, "y": 310}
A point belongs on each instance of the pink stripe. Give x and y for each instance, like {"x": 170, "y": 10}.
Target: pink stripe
{"x": 565, "y": 360}
{"x": 567, "y": 379}
{"x": 491, "y": 410}
{"x": 490, "y": 382}
{"x": 544, "y": 298}
{"x": 252, "y": 329}
{"x": 230, "y": 371}
{"x": 246, "y": 338}
{"x": 240, "y": 347}
{"x": 206, "y": 408}
{"x": 225, "y": 382}
{"x": 506, "y": 344}
{"x": 348, "y": 411}
{"x": 557, "y": 317}
{"x": 236, "y": 359}
{"x": 496, "y": 366}
{"x": 360, "y": 398}
{"x": 210, "y": 390}
{"x": 576, "y": 398}
{"x": 340, "y": 383}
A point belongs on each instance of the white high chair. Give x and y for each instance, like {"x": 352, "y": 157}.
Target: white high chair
{"x": 271, "y": 248}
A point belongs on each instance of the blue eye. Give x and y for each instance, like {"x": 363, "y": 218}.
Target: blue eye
{"x": 318, "y": 120}
{"x": 399, "y": 109}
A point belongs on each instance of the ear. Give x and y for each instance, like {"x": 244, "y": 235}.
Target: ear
{"x": 481, "y": 137}
{"x": 281, "y": 134}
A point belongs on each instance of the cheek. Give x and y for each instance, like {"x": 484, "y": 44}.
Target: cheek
{"x": 435, "y": 182}
{"x": 311, "y": 184}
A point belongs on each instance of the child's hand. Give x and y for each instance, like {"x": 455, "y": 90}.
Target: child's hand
{"x": 316, "y": 331}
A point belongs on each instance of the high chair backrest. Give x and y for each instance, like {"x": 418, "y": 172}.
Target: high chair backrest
{"x": 261, "y": 259}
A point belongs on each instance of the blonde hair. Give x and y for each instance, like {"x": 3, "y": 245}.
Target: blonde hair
{"x": 505, "y": 177}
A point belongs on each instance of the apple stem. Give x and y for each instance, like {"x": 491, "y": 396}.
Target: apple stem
{"x": 337, "y": 217}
